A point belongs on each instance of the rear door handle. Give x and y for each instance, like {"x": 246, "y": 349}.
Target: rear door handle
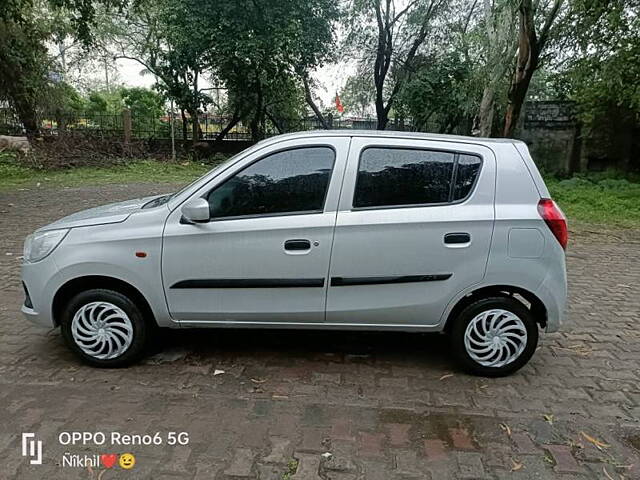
{"x": 297, "y": 244}
{"x": 453, "y": 238}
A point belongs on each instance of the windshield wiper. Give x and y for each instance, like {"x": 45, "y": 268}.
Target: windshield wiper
{"x": 156, "y": 202}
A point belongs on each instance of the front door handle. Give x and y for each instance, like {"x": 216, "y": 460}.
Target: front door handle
{"x": 297, "y": 244}
{"x": 452, "y": 238}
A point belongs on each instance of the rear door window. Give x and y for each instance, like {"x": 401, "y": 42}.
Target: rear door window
{"x": 390, "y": 177}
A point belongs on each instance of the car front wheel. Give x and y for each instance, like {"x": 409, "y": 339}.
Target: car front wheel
{"x": 104, "y": 328}
{"x": 494, "y": 336}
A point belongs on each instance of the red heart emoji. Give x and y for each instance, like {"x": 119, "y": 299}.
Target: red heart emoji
{"x": 108, "y": 460}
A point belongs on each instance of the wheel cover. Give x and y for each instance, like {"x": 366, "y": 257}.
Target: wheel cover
{"x": 102, "y": 330}
{"x": 495, "y": 338}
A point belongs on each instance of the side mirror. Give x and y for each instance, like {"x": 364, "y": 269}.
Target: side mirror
{"x": 196, "y": 210}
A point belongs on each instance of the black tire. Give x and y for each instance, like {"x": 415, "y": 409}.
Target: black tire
{"x": 142, "y": 329}
{"x": 459, "y": 327}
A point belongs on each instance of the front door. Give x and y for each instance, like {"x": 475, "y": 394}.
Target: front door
{"x": 264, "y": 254}
{"x": 413, "y": 229}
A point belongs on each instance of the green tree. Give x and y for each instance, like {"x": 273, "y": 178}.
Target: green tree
{"x": 536, "y": 27}
{"x": 259, "y": 51}
{"x": 602, "y": 73}
{"x": 261, "y": 47}
{"x": 23, "y": 63}
{"x": 104, "y": 102}
{"x": 441, "y": 94}
{"x": 29, "y": 74}
{"x": 386, "y": 37}
{"x": 604, "y": 69}
{"x": 357, "y": 95}
{"x": 496, "y": 35}
{"x": 143, "y": 102}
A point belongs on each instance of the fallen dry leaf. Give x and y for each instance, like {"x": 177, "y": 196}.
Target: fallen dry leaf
{"x": 549, "y": 419}
{"x": 446, "y": 376}
{"x": 606, "y": 474}
{"x": 599, "y": 445}
{"x": 506, "y": 428}
{"x": 516, "y": 465}
{"x": 581, "y": 350}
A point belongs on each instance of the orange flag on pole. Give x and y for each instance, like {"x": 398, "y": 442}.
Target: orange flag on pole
{"x": 339, "y": 106}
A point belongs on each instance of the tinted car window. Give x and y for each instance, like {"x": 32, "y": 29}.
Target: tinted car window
{"x": 283, "y": 182}
{"x": 395, "y": 176}
{"x": 466, "y": 173}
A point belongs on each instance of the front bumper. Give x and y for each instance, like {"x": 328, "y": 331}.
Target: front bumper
{"x": 37, "y": 279}
{"x": 37, "y": 318}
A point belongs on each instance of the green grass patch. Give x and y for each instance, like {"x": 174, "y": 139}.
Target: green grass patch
{"x": 14, "y": 174}
{"x": 598, "y": 199}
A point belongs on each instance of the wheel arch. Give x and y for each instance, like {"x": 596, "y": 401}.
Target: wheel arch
{"x": 88, "y": 282}
{"x": 526, "y": 297}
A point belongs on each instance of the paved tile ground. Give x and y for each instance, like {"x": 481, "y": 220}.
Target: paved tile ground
{"x": 332, "y": 406}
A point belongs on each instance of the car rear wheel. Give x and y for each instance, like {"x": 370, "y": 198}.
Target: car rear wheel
{"x": 105, "y": 328}
{"x": 494, "y": 336}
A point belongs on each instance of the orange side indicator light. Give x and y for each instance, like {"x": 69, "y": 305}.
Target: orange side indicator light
{"x": 141, "y": 254}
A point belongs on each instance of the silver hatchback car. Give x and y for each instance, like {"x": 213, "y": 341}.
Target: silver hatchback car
{"x": 334, "y": 230}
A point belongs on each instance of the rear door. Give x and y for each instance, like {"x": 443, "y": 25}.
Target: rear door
{"x": 413, "y": 228}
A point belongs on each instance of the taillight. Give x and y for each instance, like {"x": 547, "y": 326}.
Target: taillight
{"x": 555, "y": 220}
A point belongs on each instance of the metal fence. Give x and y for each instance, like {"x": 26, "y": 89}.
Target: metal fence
{"x": 130, "y": 126}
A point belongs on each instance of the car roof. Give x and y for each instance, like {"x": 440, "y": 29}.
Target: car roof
{"x": 392, "y": 134}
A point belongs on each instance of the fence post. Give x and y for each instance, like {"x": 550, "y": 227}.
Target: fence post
{"x": 173, "y": 134}
{"x": 126, "y": 128}
{"x": 126, "y": 125}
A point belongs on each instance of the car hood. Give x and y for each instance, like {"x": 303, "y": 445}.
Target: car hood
{"x": 111, "y": 213}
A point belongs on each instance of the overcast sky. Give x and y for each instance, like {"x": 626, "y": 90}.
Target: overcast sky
{"x": 330, "y": 78}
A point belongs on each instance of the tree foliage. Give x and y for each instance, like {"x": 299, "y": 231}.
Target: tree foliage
{"x": 441, "y": 95}
{"x": 386, "y": 37}
{"x": 604, "y": 72}
{"x": 24, "y": 65}
{"x": 457, "y": 65}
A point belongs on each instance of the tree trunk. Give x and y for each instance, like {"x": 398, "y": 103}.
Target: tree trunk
{"x": 277, "y": 122}
{"x": 516, "y": 97}
{"x": 28, "y": 117}
{"x": 184, "y": 127}
{"x": 381, "y": 111}
{"x": 529, "y": 49}
{"x": 576, "y": 150}
{"x": 309, "y": 99}
{"x": 485, "y": 113}
{"x": 382, "y": 63}
{"x": 232, "y": 123}
{"x": 256, "y": 133}
{"x": 196, "y": 133}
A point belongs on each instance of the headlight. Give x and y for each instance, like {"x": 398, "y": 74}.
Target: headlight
{"x": 40, "y": 244}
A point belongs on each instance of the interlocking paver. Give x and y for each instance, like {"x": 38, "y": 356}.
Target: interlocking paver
{"x": 308, "y": 467}
{"x": 564, "y": 460}
{"x": 373, "y": 404}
